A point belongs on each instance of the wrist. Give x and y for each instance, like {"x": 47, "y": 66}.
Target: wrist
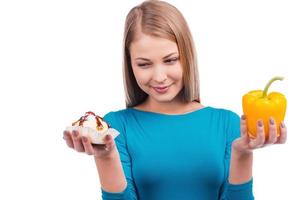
{"x": 236, "y": 153}
{"x": 240, "y": 167}
{"x": 112, "y": 155}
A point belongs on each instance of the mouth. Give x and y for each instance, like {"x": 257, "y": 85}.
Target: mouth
{"x": 161, "y": 89}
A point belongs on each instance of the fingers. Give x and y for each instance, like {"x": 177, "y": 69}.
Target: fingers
{"x": 68, "y": 138}
{"x": 261, "y": 140}
{"x": 272, "y": 132}
{"x": 78, "y": 146}
{"x": 83, "y": 144}
{"x": 88, "y": 148}
{"x": 260, "y": 136}
{"x": 283, "y": 134}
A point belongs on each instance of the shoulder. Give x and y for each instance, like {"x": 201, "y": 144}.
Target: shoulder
{"x": 116, "y": 119}
{"x": 228, "y": 118}
{"x": 116, "y": 115}
{"x": 227, "y": 113}
{"x": 231, "y": 123}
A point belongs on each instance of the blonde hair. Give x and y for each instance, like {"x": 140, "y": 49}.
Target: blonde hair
{"x": 160, "y": 19}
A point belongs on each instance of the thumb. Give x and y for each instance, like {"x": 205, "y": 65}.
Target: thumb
{"x": 109, "y": 142}
{"x": 107, "y": 138}
{"x": 244, "y": 129}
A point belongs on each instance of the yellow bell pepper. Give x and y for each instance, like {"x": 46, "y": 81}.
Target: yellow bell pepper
{"x": 258, "y": 105}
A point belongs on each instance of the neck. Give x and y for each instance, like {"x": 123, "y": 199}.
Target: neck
{"x": 164, "y": 107}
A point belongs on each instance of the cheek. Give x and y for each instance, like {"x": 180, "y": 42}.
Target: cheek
{"x": 177, "y": 73}
{"x": 141, "y": 77}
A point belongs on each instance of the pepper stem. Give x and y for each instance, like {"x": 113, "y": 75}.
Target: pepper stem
{"x": 269, "y": 83}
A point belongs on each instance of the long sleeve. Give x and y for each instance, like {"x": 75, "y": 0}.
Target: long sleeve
{"x": 130, "y": 192}
{"x": 185, "y": 156}
{"x": 234, "y": 191}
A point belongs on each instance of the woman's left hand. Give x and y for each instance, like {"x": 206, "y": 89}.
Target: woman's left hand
{"x": 245, "y": 144}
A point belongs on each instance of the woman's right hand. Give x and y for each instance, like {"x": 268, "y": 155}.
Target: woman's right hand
{"x": 83, "y": 144}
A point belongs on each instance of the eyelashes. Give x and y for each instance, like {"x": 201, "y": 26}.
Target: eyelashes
{"x": 142, "y": 65}
{"x": 168, "y": 62}
{"x": 172, "y": 60}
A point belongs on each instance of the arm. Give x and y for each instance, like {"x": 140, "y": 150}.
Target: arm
{"x": 240, "y": 167}
{"x": 110, "y": 173}
{"x": 242, "y": 153}
{"x": 118, "y": 167}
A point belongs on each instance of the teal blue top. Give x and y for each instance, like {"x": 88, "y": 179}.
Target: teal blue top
{"x": 182, "y": 156}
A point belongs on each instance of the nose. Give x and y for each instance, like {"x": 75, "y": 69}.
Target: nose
{"x": 159, "y": 74}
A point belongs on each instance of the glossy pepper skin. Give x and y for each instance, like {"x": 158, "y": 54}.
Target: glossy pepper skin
{"x": 258, "y": 105}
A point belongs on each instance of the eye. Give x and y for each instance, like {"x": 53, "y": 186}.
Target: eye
{"x": 142, "y": 64}
{"x": 171, "y": 60}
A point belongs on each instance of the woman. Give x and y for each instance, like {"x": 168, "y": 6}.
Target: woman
{"x": 171, "y": 146}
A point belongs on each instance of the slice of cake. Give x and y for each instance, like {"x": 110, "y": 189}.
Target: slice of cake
{"x": 94, "y": 127}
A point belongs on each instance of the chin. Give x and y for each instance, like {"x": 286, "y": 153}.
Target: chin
{"x": 163, "y": 99}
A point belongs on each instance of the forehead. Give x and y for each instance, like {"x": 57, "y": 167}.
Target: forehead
{"x": 150, "y": 46}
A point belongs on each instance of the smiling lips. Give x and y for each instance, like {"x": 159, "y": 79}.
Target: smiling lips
{"x": 161, "y": 87}
{"x": 161, "y": 90}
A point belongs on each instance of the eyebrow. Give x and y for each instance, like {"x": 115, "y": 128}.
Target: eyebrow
{"x": 163, "y": 57}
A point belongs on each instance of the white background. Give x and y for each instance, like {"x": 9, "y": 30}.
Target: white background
{"x": 61, "y": 58}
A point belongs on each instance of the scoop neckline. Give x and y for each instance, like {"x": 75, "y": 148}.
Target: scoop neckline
{"x": 170, "y": 115}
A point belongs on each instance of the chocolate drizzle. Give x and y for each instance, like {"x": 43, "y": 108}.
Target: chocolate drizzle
{"x": 99, "y": 120}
